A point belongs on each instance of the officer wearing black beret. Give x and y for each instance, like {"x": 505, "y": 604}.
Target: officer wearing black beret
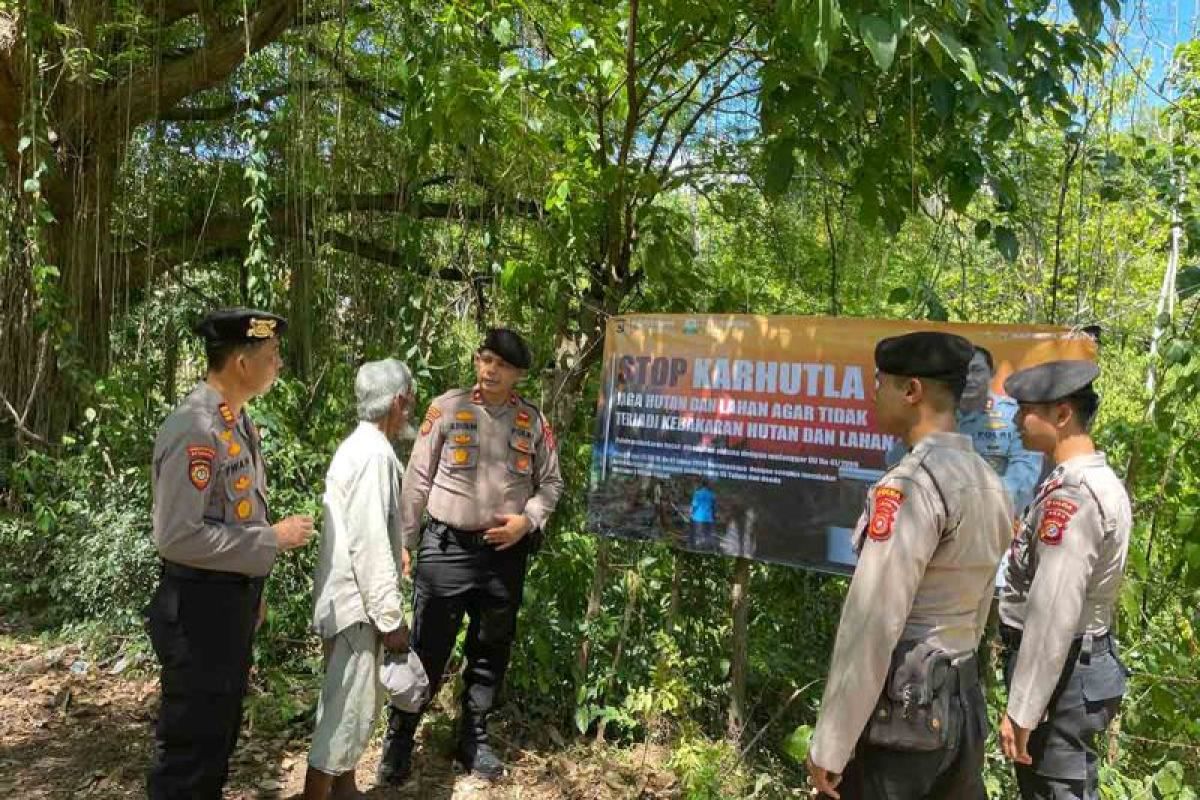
{"x": 903, "y": 715}
{"x": 213, "y": 533}
{"x": 485, "y": 470}
{"x": 1065, "y": 681}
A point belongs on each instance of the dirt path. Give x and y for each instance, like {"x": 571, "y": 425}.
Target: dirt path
{"x": 73, "y": 729}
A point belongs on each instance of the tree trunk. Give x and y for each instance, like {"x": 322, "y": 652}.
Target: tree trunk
{"x": 738, "y": 652}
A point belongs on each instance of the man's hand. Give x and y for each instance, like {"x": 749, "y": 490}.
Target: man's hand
{"x": 513, "y": 528}
{"x": 822, "y": 780}
{"x": 1014, "y": 741}
{"x": 397, "y": 640}
{"x": 293, "y": 532}
{"x": 262, "y": 613}
{"x": 406, "y": 562}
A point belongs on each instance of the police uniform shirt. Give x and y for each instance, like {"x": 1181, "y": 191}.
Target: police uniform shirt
{"x": 928, "y": 543}
{"x": 998, "y": 439}
{"x": 1064, "y": 574}
{"x": 209, "y": 479}
{"x": 472, "y": 461}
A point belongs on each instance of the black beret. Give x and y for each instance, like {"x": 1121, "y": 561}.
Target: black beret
{"x": 926, "y": 354}
{"x": 508, "y": 345}
{"x": 239, "y": 325}
{"x": 1051, "y": 381}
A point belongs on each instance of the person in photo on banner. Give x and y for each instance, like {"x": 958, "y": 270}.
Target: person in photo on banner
{"x": 903, "y": 714}
{"x": 213, "y": 533}
{"x": 358, "y": 608}
{"x": 1065, "y": 679}
{"x": 485, "y": 468}
{"x": 989, "y": 418}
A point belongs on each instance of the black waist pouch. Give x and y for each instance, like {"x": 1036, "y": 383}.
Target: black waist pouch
{"x": 918, "y": 709}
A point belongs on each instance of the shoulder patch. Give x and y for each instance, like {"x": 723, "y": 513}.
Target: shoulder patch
{"x": 431, "y": 416}
{"x": 887, "y": 502}
{"x": 227, "y": 415}
{"x": 1056, "y": 513}
{"x": 200, "y": 463}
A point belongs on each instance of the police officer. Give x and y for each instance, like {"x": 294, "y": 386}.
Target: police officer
{"x": 1064, "y": 573}
{"x": 485, "y": 468}
{"x": 217, "y": 544}
{"x": 989, "y": 419}
{"x": 903, "y": 715}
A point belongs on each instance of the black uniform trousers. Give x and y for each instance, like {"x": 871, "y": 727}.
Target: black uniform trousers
{"x": 952, "y": 773}
{"x": 201, "y": 625}
{"x": 458, "y": 573}
{"x": 1086, "y": 698}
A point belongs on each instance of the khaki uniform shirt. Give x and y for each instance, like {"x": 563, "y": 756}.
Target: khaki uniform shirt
{"x": 1064, "y": 574}
{"x": 210, "y": 489}
{"x": 472, "y": 461}
{"x": 928, "y": 543}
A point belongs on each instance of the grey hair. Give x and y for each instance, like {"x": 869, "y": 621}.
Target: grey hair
{"x": 377, "y": 385}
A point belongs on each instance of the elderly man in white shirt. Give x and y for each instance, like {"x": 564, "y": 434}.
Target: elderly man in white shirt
{"x": 359, "y": 610}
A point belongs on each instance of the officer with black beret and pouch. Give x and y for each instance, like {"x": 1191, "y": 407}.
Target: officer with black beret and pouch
{"x": 903, "y": 715}
{"x": 484, "y": 469}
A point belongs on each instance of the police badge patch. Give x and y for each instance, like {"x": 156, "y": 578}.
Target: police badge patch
{"x": 1056, "y": 513}
{"x": 887, "y": 504}
{"x": 200, "y": 460}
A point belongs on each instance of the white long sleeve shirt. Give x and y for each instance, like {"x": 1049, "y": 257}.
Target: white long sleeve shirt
{"x": 358, "y": 573}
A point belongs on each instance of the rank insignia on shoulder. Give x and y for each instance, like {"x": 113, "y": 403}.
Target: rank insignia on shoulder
{"x": 227, "y": 415}
{"x": 243, "y": 508}
{"x": 1056, "y": 513}
{"x": 887, "y": 502}
{"x": 200, "y": 460}
{"x": 431, "y": 416}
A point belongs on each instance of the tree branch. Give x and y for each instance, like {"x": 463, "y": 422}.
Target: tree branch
{"x": 359, "y": 86}
{"x": 168, "y": 12}
{"x": 215, "y": 113}
{"x": 157, "y": 89}
{"x": 382, "y": 255}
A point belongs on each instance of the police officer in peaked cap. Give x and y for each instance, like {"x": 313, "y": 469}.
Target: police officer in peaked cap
{"x": 1065, "y": 680}
{"x": 216, "y": 541}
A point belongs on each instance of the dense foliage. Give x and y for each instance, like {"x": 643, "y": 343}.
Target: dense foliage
{"x": 394, "y": 176}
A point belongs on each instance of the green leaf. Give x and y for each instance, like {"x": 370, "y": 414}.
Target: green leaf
{"x": 797, "y": 743}
{"x": 880, "y": 38}
{"x": 901, "y": 294}
{"x": 957, "y": 51}
{"x": 1089, "y": 14}
{"x": 1187, "y": 281}
{"x": 983, "y": 229}
{"x": 1006, "y": 242}
{"x": 781, "y": 165}
{"x": 1169, "y": 779}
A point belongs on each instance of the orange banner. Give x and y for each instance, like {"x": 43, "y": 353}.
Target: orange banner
{"x": 773, "y": 415}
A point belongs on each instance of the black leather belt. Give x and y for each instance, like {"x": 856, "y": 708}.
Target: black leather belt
{"x": 1083, "y": 647}
{"x": 185, "y": 573}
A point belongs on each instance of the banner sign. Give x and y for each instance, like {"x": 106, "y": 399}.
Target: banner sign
{"x": 755, "y": 436}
